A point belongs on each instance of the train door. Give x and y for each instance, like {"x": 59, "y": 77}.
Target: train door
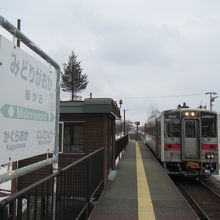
{"x": 190, "y": 139}
{"x": 158, "y": 138}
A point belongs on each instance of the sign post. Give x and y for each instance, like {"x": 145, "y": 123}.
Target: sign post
{"x": 27, "y": 105}
{"x": 14, "y": 110}
{"x": 19, "y": 62}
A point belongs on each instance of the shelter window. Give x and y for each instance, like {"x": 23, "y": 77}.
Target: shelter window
{"x": 172, "y": 128}
{"x": 74, "y": 138}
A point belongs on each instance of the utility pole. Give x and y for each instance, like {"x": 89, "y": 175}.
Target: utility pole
{"x": 124, "y": 122}
{"x": 212, "y": 98}
{"x": 137, "y": 123}
{"x": 121, "y": 125}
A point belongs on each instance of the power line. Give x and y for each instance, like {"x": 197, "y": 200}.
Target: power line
{"x": 167, "y": 96}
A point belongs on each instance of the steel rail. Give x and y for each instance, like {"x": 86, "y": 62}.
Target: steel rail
{"x": 210, "y": 190}
{"x": 202, "y": 215}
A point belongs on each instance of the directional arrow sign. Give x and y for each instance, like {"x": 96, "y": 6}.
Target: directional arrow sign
{"x": 18, "y": 112}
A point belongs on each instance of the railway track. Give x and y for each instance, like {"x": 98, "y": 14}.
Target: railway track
{"x": 203, "y": 199}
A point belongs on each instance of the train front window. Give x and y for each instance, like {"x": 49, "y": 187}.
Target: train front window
{"x": 190, "y": 129}
{"x": 172, "y": 128}
{"x": 209, "y": 125}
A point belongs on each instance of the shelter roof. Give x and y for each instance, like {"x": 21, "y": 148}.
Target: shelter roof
{"x": 90, "y": 105}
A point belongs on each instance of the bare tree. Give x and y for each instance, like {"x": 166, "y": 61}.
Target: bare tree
{"x": 152, "y": 112}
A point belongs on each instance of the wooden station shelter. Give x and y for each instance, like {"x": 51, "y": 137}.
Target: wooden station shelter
{"x": 85, "y": 126}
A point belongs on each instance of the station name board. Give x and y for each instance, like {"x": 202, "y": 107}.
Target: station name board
{"x": 27, "y": 104}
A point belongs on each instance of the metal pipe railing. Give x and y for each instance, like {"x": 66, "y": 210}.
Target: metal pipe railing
{"x": 19, "y": 35}
{"x": 120, "y": 145}
{"x": 76, "y": 185}
{"x": 25, "y": 170}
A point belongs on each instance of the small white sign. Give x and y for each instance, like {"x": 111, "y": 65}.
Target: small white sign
{"x": 27, "y": 105}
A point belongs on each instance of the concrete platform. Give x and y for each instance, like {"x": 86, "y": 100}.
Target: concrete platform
{"x": 133, "y": 196}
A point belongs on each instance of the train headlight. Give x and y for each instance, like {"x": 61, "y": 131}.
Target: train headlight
{"x": 208, "y": 155}
{"x": 186, "y": 113}
{"x": 212, "y": 156}
{"x": 192, "y": 113}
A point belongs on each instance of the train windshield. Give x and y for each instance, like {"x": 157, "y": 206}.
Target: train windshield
{"x": 209, "y": 125}
{"x": 172, "y": 127}
{"x": 172, "y": 124}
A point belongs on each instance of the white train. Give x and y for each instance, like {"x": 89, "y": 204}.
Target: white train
{"x": 185, "y": 140}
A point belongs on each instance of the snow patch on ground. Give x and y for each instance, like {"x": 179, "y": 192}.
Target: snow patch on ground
{"x": 217, "y": 177}
{"x": 6, "y": 185}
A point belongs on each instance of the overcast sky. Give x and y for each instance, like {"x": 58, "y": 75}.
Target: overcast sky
{"x": 148, "y": 53}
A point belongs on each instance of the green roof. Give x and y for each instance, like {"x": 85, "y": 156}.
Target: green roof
{"x": 90, "y": 105}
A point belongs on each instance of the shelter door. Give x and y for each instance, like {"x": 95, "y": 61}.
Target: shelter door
{"x": 110, "y": 144}
{"x": 190, "y": 139}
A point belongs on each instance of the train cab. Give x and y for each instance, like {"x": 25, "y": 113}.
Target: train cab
{"x": 185, "y": 141}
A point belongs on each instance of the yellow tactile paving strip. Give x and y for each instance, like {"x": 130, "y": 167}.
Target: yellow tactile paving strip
{"x": 145, "y": 206}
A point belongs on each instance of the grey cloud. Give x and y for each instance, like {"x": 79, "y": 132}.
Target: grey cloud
{"x": 137, "y": 46}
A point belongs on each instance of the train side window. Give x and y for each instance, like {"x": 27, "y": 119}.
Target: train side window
{"x": 190, "y": 129}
